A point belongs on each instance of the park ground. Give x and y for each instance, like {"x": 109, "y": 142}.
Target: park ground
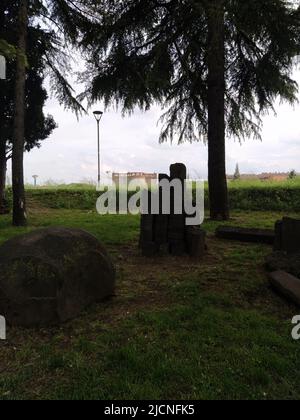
{"x": 176, "y": 329}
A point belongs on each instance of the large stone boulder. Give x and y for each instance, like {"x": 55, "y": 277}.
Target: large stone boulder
{"x": 260, "y": 236}
{"x": 49, "y": 276}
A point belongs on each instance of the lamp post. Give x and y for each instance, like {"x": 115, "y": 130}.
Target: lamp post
{"x": 35, "y": 177}
{"x": 98, "y": 116}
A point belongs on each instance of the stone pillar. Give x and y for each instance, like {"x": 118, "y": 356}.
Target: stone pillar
{"x": 196, "y": 245}
{"x": 147, "y": 243}
{"x": 177, "y": 221}
{"x": 161, "y": 224}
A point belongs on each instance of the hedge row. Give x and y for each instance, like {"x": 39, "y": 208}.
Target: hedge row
{"x": 273, "y": 199}
{"x": 252, "y": 198}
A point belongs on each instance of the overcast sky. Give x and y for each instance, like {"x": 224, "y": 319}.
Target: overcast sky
{"x": 131, "y": 144}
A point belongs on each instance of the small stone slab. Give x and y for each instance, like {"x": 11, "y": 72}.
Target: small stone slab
{"x": 196, "y": 244}
{"x": 290, "y": 235}
{"x": 287, "y": 285}
{"x": 262, "y": 236}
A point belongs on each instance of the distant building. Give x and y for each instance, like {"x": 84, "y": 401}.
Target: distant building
{"x": 276, "y": 176}
{"x": 119, "y": 178}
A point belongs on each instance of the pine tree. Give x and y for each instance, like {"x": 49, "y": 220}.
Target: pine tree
{"x": 38, "y": 126}
{"x": 60, "y": 21}
{"x": 215, "y": 65}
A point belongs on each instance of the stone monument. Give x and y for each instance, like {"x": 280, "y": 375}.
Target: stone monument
{"x": 167, "y": 233}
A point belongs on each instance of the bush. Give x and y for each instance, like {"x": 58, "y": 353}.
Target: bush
{"x": 242, "y": 196}
{"x": 268, "y": 198}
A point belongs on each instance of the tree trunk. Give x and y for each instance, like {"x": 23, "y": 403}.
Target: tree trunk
{"x": 3, "y": 202}
{"x": 19, "y": 207}
{"x": 218, "y": 191}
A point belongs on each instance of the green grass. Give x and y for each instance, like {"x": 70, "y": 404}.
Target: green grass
{"x": 111, "y": 230}
{"x": 177, "y": 329}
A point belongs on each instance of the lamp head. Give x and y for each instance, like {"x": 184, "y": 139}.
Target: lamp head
{"x": 98, "y": 115}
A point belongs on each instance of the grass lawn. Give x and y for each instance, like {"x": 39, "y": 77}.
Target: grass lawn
{"x": 177, "y": 329}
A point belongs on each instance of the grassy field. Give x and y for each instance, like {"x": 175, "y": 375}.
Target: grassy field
{"x": 177, "y": 329}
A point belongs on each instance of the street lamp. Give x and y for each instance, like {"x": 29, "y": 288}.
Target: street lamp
{"x": 98, "y": 116}
{"x": 35, "y": 177}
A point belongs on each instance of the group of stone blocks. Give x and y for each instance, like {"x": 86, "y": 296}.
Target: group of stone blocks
{"x": 285, "y": 238}
{"x": 168, "y": 233}
{"x": 251, "y": 235}
{"x": 286, "y": 284}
